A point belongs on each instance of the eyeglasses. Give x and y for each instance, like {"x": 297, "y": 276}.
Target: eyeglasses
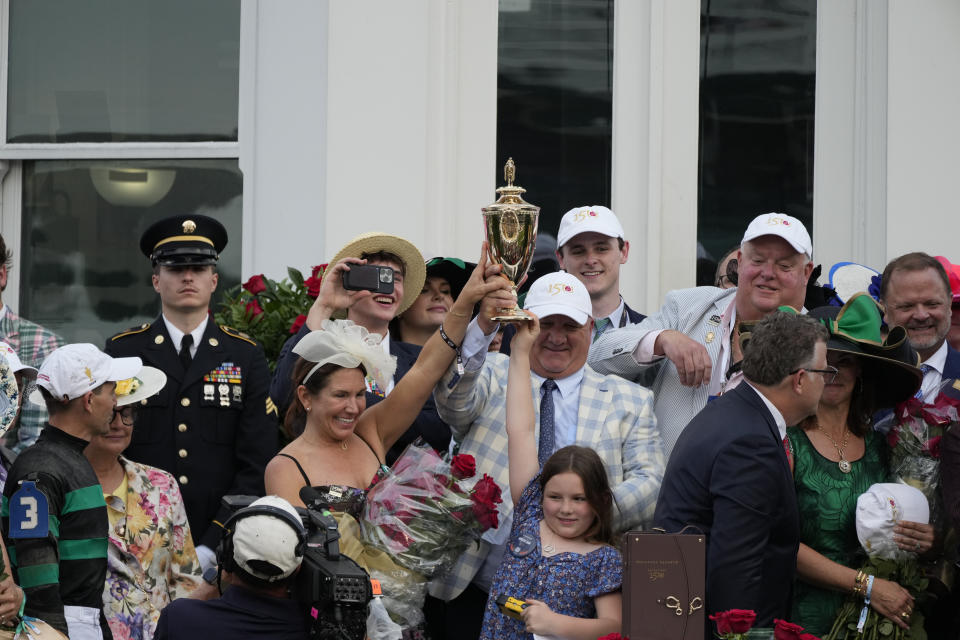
{"x": 829, "y": 374}
{"x": 127, "y": 413}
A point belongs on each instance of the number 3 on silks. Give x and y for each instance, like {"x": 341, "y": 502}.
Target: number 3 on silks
{"x": 29, "y": 512}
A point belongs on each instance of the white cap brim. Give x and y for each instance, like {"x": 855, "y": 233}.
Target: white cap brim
{"x": 153, "y": 381}
{"x": 544, "y": 310}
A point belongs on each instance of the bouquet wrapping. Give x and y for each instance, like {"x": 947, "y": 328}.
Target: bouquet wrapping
{"x": 426, "y": 511}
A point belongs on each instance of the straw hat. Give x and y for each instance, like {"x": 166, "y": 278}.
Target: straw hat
{"x": 374, "y": 242}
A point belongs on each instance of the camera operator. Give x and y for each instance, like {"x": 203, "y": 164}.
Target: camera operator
{"x": 259, "y": 557}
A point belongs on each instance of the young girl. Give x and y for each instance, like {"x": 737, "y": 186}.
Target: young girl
{"x": 559, "y": 559}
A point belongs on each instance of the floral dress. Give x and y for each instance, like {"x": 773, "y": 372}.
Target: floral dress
{"x": 151, "y": 559}
{"x": 567, "y": 582}
{"x": 827, "y": 500}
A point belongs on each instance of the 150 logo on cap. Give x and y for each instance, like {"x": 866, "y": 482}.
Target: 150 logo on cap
{"x": 559, "y": 287}
{"x": 774, "y": 220}
{"x": 580, "y": 216}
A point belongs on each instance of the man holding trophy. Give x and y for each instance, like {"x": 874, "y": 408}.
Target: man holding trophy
{"x": 607, "y": 413}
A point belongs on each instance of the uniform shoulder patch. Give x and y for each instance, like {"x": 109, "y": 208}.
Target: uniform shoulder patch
{"x": 239, "y": 335}
{"x": 132, "y": 331}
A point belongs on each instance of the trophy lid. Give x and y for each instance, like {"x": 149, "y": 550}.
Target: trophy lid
{"x": 510, "y": 199}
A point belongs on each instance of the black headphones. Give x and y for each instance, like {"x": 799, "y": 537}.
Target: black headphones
{"x": 225, "y": 559}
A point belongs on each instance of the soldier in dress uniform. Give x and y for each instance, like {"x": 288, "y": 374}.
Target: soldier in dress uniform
{"x": 213, "y": 426}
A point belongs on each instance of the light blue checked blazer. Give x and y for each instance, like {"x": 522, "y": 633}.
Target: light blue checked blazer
{"x": 615, "y": 418}
{"x": 686, "y": 310}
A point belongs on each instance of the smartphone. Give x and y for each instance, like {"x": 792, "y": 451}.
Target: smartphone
{"x": 368, "y": 277}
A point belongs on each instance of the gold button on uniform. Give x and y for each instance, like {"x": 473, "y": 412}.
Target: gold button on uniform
{"x": 182, "y": 428}
{"x": 213, "y": 342}
{"x": 182, "y": 453}
{"x": 158, "y": 340}
{"x": 183, "y": 479}
{"x": 184, "y": 402}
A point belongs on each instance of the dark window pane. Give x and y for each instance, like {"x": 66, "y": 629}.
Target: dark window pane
{"x": 757, "y": 74}
{"x": 554, "y": 102}
{"x": 110, "y": 71}
{"x": 81, "y": 270}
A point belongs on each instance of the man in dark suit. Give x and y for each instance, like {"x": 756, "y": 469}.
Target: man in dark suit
{"x": 373, "y": 312}
{"x": 915, "y": 290}
{"x": 729, "y": 474}
{"x": 213, "y": 426}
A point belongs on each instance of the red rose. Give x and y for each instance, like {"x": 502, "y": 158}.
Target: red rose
{"x": 783, "y": 630}
{"x": 613, "y": 636}
{"x": 298, "y": 323}
{"x": 487, "y": 491}
{"x": 933, "y": 446}
{"x": 893, "y": 437}
{"x": 313, "y": 286}
{"x": 463, "y": 466}
{"x": 253, "y": 308}
{"x": 319, "y": 270}
{"x": 255, "y": 284}
{"x": 741, "y": 620}
{"x": 808, "y": 636}
{"x": 723, "y": 622}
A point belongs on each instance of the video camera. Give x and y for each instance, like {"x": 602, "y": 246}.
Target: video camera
{"x": 335, "y": 589}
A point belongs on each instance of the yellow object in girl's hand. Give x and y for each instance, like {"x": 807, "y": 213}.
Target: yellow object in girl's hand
{"x": 510, "y": 606}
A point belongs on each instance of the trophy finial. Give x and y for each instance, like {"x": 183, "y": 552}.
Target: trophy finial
{"x": 509, "y": 172}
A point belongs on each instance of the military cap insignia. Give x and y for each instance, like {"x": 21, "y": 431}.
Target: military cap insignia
{"x": 189, "y": 226}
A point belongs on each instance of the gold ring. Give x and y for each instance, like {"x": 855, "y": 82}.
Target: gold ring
{"x": 905, "y": 615}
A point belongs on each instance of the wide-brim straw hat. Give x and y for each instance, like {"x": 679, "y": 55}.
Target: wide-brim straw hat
{"x": 415, "y": 271}
{"x": 891, "y": 365}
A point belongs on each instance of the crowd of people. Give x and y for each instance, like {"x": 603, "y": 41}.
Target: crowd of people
{"x": 733, "y": 409}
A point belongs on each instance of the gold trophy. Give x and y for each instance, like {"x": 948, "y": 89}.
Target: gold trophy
{"x": 511, "y": 227}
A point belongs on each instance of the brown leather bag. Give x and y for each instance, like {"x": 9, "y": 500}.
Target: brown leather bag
{"x": 663, "y": 584}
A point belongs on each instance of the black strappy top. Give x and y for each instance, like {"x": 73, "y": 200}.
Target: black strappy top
{"x": 339, "y": 497}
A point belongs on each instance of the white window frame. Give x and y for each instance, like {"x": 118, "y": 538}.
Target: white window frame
{"x": 13, "y": 155}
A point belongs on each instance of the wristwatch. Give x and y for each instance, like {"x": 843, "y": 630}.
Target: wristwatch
{"x": 210, "y": 575}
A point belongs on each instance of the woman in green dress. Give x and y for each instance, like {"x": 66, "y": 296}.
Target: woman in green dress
{"x": 837, "y": 456}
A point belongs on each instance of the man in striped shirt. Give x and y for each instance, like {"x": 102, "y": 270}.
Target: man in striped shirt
{"x": 54, "y": 517}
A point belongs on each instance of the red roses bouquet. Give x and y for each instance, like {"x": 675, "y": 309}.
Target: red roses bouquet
{"x": 737, "y": 624}
{"x": 915, "y": 430}
{"x": 427, "y": 511}
{"x": 271, "y": 310}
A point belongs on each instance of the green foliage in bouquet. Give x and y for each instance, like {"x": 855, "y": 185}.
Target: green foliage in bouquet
{"x": 270, "y": 311}
{"x": 908, "y": 574}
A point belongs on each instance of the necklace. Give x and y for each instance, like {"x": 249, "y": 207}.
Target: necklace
{"x": 343, "y": 445}
{"x": 843, "y": 463}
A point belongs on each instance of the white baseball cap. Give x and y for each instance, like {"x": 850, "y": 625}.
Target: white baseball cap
{"x": 265, "y": 546}
{"x": 559, "y": 293}
{"x": 74, "y": 369}
{"x": 880, "y": 508}
{"x": 782, "y": 225}
{"x": 583, "y": 219}
{"x": 16, "y": 365}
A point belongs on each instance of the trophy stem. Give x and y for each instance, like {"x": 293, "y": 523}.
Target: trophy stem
{"x": 511, "y": 314}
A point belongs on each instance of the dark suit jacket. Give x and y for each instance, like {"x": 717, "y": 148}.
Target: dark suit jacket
{"x": 214, "y": 437}
{"x": 950, "y": 450}
{"x": 428, "y": 424}
{"x": 728, "y": 476}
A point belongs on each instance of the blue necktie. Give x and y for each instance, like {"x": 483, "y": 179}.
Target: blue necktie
{"x": 545, "y": 447}
{"x": 600, "y": 325}
{"x": 925, "y": 368}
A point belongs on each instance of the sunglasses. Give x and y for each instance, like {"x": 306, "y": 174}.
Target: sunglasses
{"x": 127, "y": 413}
